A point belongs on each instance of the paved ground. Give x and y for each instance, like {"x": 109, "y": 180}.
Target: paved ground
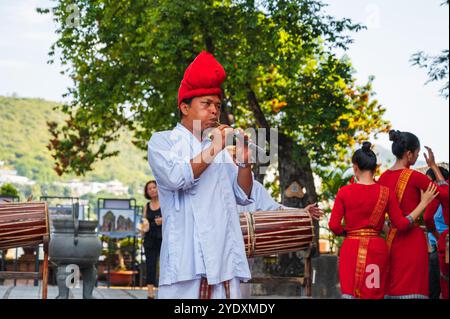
{"x": 31, "y": 292}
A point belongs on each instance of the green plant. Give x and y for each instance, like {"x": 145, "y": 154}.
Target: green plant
{"x": 8, "y": 190}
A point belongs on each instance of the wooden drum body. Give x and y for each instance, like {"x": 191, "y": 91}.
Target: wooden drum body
{"x": 23, "y": 224}
{"x": 274, "y": 232}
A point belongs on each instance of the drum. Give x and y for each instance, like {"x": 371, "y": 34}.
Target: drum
{"x": 23, "y": 224}
{"x": 274, "y": 232}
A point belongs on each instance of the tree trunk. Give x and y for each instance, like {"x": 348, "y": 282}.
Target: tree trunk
{"x": 294, "y": 166}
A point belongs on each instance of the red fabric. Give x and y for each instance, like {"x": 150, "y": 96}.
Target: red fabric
{"x": 408, "y": 264}
{"x": 443, "y": 199}
{"x": 355, "y": 204}
{"x": 204, "y": 76}
{"x": 206, "y": 291}
{"x": 377, "y": 254}
{"x": 442, "y": 265}
{"x": 408, "y": 269}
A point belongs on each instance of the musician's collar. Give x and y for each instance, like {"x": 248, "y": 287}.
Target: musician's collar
{"x": 186, "y": 131}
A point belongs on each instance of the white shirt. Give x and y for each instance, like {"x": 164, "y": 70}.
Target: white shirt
{"x": 201, "y": 229}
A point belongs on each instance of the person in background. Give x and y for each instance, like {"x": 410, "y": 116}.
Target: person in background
{"x": 153, "y": 234}
{"x": 408, "y": 250}
{"x": 429, "y": 218}
{"x": 263, "y": 201}
{"x": 439, "y": 222}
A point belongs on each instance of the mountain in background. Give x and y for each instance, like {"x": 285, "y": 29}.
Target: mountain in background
{"x": 23, "y": 147}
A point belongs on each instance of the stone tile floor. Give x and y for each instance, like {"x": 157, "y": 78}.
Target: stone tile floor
{"x": 32, "y": 292}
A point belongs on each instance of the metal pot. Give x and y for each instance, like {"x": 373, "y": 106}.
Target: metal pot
{"x": 74, "y": 242}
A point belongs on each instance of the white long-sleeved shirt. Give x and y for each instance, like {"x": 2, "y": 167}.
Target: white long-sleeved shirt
{"x": 262, "y": 200}
{"x": 201, "y": 229}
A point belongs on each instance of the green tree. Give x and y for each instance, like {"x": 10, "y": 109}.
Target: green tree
{"x": 8, "y": 190}
{"x": 127, "y": 58}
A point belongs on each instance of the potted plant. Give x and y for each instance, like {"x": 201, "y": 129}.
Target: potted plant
{"x": 121, "y": 275}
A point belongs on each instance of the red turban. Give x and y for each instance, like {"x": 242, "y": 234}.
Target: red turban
{"x": 204, "y": 76}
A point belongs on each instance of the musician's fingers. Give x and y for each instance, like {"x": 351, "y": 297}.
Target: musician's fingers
{"x": 222, "y": 127}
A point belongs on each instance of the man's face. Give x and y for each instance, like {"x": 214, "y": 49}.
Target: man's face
{"x": 203, "y": 108}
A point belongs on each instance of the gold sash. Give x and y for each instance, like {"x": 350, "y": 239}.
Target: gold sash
{"x": 364, "y": 236}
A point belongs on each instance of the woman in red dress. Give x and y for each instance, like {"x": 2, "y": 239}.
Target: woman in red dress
{"x": 408, "y": 250}
{"x": 363, "y": 257}
{"x": 436, "y": 174}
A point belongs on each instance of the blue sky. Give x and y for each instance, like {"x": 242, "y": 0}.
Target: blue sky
{"x": 396, "y": 30}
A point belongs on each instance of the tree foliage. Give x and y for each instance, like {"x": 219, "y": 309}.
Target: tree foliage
{"x": 436, "y": 65}
{"x": 127, "y": 58}
{"x": 8, "y": 190}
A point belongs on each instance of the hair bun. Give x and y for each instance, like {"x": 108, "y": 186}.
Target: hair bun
{"x": 366, "y": 147}
{"x": 394, "y": 135}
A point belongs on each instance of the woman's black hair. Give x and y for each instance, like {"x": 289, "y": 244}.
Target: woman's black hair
{"x": 403, "y": 142}
{"x": 146, "y": 195}
{"x": 444, "y": 173}
{"x": 365, "y": 158}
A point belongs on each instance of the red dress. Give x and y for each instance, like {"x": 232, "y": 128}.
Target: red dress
{"x": 408, "y": 257}
{"x": 442, "y": 242}
{"x": 363, "y": 259}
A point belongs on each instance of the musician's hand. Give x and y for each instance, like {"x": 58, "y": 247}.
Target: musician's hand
{"x": 158, "y": 221}
{"x": 315, "y": 212}
{"x": 220, "y": 135}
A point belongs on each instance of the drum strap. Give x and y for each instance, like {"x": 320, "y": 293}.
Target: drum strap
{"x": 364, "y": 238}
{"x": 251, "y": 234}
{"x": 399, "y": 192}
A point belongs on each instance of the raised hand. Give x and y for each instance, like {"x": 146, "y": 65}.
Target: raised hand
{"x": 430, "y": 158}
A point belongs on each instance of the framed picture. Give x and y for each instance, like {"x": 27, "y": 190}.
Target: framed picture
{"x": 117, "y": 223}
